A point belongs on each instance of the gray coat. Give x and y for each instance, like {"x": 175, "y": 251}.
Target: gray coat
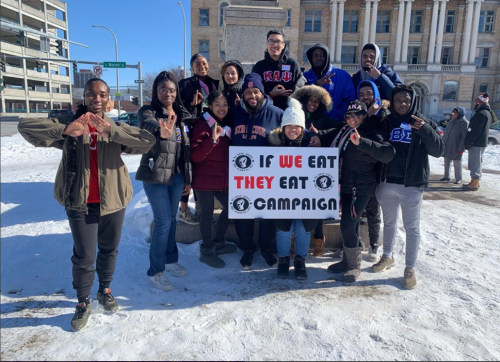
{"x": 454, "y": 137}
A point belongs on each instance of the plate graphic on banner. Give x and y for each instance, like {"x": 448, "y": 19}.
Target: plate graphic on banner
{"x": 283, "y": 183}
{"x": 97, "y": 70}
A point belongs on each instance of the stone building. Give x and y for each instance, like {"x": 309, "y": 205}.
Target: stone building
{"x": 448, "y": 66}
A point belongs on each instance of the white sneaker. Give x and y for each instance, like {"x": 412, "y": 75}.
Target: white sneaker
{"x": 373, "y": 254}
{"x": 176, "y": 269}
{"x": 160, "y": 281}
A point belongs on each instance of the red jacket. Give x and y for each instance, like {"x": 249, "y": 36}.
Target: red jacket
{"x": 210, "y": 160}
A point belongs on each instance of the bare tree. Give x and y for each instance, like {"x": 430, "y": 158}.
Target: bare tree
{"x": 149, "y": 78}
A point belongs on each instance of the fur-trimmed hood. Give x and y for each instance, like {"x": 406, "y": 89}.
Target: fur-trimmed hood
{"x": 275, "y": 137}
{"x": 303, "y": 94}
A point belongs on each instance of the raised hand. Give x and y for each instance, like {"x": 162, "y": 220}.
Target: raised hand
{"x": 237, "y": 100}
{"x": 374, "y": 72}
{"x": 279, "y": 90}
{"x": 419, "y": 123}
{"x": 103, "y": 128}
{"x": 326, "y": 79}
{"x": 374, "y": 108}
{"x": 216, "y": 132}
{"x": 78, "y": 127}
{"x": 197, "y": 98}
{"x": 313, "y": 129}
{"x": 355, "y": 137}
{"x": 167, "y": 126}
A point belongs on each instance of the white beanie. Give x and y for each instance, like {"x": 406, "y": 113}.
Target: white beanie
{"x": 294, "y": 115}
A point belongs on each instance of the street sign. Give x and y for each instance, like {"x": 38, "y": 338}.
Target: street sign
{"x": 114, "y": 64}
{"x": 97, "y": 70}
{"x": 139, "y": 81}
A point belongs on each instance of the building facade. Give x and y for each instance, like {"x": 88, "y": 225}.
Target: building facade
{"x": 448, "y": 50}
{"x": 33, "y": 86}
{"x": 82, "y": 77}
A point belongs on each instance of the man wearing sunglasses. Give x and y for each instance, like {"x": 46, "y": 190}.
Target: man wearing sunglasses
{"x": 280, "y": 74}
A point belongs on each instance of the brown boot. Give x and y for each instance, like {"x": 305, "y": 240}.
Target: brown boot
{"x": 473, "y": 185}
{"x": 353, "y": 258}
{"x": 319, "y": 246}
{"x": 292, "y": 247}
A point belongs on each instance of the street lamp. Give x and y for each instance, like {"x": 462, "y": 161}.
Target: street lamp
{"x": 117, "y": 73}
{"x": 184, "y": 16}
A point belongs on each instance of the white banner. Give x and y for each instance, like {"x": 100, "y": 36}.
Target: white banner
{"x": 283, "y": 183}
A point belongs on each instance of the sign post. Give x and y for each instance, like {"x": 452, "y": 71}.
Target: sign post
{"x": 97, "y": 70}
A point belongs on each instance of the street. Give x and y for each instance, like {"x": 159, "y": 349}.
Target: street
{"x": 8, "y": 128}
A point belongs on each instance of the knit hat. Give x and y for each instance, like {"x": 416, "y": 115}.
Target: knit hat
{"x": 356, "y": 107}
{"x": 485, "y": 98}
{"x": 252, "y": 80}
{"x": 294, "y": 115}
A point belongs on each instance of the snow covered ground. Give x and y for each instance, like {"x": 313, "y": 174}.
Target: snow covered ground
{"x": 230, "y": 314}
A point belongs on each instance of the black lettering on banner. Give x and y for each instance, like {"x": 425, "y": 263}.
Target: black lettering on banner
{"x": 322, "y": 161}
{"x": 286, "y": 204}
{"x": 259, "y": 204}
{"x": 294, "y": 182}
{"x": 266, "y": 162}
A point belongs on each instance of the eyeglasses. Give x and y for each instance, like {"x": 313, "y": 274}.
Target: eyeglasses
{"x": 272, "y": 42}
{"x": 164, "y": 91}
{"x": 351, "y": 115}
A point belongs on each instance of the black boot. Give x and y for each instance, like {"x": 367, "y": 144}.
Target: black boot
{"x": 353, "y": 257}
{"x": 269, "y": 258}
{"x": 340, "y": 267}
{"x": 300, "y": 267}
{"x": 246, "y": 259}
{"x": 209, "y": 257}
{"x": 222, "y": 247}
{"x": 284, "y": 267}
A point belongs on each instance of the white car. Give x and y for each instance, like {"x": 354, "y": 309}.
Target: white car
{"x": 494, "y": 135}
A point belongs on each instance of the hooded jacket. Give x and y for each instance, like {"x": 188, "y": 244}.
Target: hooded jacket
{"x": 188, "y": 88}
{"x": 376, "y": 95}
{"x": 285, "y": 71}
{"x": 319, "y": 118}
{"x": 479, "y": 127}
{"x": 252, "y": 129}
{"x": 387, "y": 80}
{"x": 230, "y": 91}
{"x": 341, "y": 89}
{"x": 71, "y": 188}
{"x": 454, "y": 136}
{"x": 275, "y": 139}
{"x": 412, "y": 147}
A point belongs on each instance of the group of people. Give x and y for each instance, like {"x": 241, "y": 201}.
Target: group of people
{"x": 184, "y": 137}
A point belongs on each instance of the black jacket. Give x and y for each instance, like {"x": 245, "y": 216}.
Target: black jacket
{"x": 479, "y": 127}
{"x": 285, "y": 71}
{"x": 188, "y": 88}
{"x": 424, "y": 142}
{"x": 168, "y": 155}
{"x": 231, "y": 91}
{"x": 362, "y": 165}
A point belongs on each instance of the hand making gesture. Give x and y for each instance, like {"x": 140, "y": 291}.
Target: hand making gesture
{"x": 419, "y": 123}
{"x": 355, "y": 137}
{"x": 326, "y": 79}
{"x": 78, "y": 127}
{"x": 167, "y": 126}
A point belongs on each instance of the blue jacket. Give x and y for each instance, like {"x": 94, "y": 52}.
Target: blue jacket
{"x": 341, "y": 90}
{"x": 387, "y": 80}
{"x": 253, "y": 129}
{"x": 376, "y": 94}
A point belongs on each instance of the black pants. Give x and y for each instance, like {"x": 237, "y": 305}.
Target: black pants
{"x": 267, "y": 235}
{"x": 349, "y": 226}
{"x": 90, "y": 230}
{"x": 185, "y": 198}
{"x": 206, "y": 200}
{"x": 318, "y": 231}
{"x": 373, "y": 216}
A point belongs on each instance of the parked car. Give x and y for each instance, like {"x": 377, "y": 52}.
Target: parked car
{"x": 494, "y": 135}
{"x": 59, "y": 112}
{"x": 129, "y": 118}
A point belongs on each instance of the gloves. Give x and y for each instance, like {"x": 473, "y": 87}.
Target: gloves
{"x": 460, "y": 153}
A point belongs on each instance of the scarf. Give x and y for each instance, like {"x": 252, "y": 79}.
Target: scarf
{"x": 211, "y": 121}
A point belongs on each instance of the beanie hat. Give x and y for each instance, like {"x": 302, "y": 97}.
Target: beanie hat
{"x": 485, "y": 98}
{"x": 252, "y": 80}
{"x": 356, "y": 107}
{"x": 294, "y": 115}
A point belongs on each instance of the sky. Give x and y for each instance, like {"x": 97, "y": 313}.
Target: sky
{"x": 150, "y": 31}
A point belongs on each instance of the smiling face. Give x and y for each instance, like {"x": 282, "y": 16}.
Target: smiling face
{"x": 368, "y": 57}
{"x": 354, "y": 119}
{"x": 252, "y": 97}
{"x": 366, "y": 95}
{"x": 166, "y": 93}
{"x": 312, "y": 104}
{"x": 275, "y": 45}
{"x": 293, "y": 132}
{"x": 96, "y": 97}
{"x": 318, "y": 58}
{"x": 219, "y": 107}
{"x": 402, "y": 103}
{"x": 200, "y": 67}
{"x": 231, "y": 75}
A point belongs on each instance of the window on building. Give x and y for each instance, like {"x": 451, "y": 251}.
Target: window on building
{"x": 349, "y": 54}
{"x": 204, "y": 19}
{"x": 288, "y": 18}
{"x": 305, "y": 48}
{"x": 384, "y": 21}
{"x": 416, "y": 21}
{"x": 351, "y": 21}
{"x": 450, "y": 91}
{"x": 413, "y": 54}
{"x": 446, "y": 56}
{"x": 204, "y": 49}
{"x": 483, "y": 88}
{"x": 497, "y": 97}
{"x": 486, "y": 21}
{"x": 482, "y": 57}
{"x": 313, "y": 21}
{"x": 384, "y": 53}
{"x": 450, "y": 22}
{"x": 221, "y": 14}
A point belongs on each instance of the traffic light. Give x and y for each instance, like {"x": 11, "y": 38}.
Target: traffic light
{"x": 2, "y": 87}
{"x": 21, "y": 39}
{"x": 75, "y": 67}
{"x": 38, "y": 67}
{"x": 59, "y": 48}
{"x": 2, "y": 65}
{"x": 135, "y": 101}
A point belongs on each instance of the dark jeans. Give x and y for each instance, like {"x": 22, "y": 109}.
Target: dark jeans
{"x": 318, "y": 231}
{"x": 164, "y": 201}
{"x": 373, "y": 216}
{"x": 206, "y": 200}
{"x": 349, "y": 226}
{"x": 267, "y": 234}
{"x": 90, "y": 230}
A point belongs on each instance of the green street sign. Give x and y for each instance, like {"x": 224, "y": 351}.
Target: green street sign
{"x": 118, "y": 94}
{"x": 114, "y": 64}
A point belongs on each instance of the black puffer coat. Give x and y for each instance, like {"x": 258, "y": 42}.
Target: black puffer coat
{"x": 188, "y": 88}
{"x": 232, "y": 91}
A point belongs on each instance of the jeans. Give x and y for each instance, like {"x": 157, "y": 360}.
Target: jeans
{"x": 457, "y": 164}
{"x": 349, "y": 226}
{"x": 90, "y": 229}
{"x": 302, "y": 240}
{"x": 391, "y": 197}
{"x": 164, "y": 201}
{"x": 476, "y": 162}
{"x": 206, "y": 200}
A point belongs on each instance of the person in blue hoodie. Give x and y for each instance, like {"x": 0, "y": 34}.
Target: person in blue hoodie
{"x": 372, "y": 69}
{"x": 336, "y": 81}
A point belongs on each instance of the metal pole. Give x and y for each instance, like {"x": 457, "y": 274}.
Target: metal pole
{"x": 139, "y": 68}
{"x": 117, "y": 72}
{"x": 184, "y": 17}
